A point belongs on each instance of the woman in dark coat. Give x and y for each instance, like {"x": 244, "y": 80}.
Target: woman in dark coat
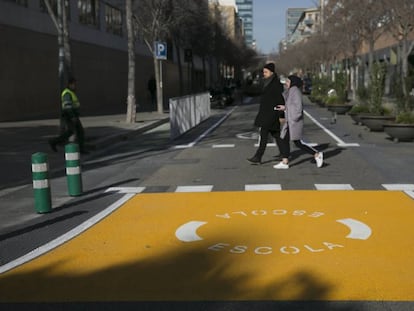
{"x": 268, "y": 118}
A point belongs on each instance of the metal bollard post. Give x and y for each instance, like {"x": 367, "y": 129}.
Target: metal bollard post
{"x": 73, "y": 171}
{"x": 40, "y": 168}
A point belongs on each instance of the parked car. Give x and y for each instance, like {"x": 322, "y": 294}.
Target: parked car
{"x": 221, "y": 97}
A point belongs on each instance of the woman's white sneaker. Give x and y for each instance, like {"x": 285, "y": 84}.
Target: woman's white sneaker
{"x": 319, "y": 159}
{"x": 281, "y": 166}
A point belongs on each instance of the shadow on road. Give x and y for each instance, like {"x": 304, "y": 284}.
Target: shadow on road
{"x": 182, "y": 280}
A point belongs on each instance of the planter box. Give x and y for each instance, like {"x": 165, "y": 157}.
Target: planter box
{"x": 339, "y": 109}
{"x": 357, "y": 117}
{"x": 376, "y": 123}
{"x": 400, "y": 132}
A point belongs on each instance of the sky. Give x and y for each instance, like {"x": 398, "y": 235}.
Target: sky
{"x": 269, "y": 21}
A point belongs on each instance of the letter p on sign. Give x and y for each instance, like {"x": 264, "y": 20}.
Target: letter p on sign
{"x": 160, "y": 50}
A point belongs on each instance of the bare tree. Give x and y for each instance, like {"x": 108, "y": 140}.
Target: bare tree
{"x": 401, "y": 26}
{"x": 131, "y": 100}
{"x": 154, "y": 18}
{"x": 191, "y": 30}
{"x": 370, "y": 18}
{"x": 60, "y": 20}
{"x": 344, "y": 30}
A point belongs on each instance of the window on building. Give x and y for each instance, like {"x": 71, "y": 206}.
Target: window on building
{"x": 89, "y": 12}
{"x": 113, "y": 20}
{"x": 19, "y": 2}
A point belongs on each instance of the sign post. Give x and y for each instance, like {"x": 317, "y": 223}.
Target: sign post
{"x": 160, "y": 49}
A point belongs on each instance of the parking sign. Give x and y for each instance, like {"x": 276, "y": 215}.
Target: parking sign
{"x": 160, "y": 50}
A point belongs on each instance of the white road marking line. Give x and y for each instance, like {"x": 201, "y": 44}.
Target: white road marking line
{"x": 268, "y": 145}
{"x": 205, "y": 188}
{"x": 339, "y": 141}
{"x": 67, "y": 236}
{"x": 125, "y": 189}
{"x": 212, "y": 128}
{"x": 184, "y": 146}
{"x": 248, "y": 135}
{"x": 333, "y": 187}
{"x": 262, "y": 187}
{"x": 348, "y": 145}
{"x": 400, "y": 187}
{"x": 224, "y": 146}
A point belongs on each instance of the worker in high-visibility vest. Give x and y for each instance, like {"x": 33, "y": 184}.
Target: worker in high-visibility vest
{"x": 70, "y": 118}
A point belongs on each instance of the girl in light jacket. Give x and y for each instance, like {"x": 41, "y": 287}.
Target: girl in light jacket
{"x": 292, "y": 129}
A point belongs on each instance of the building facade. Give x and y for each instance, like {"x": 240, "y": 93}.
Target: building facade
{"x": 245, "y": 11}
{"x": 29, "y": 83}
{"x": 292, "y": 17}
{"x": 308, "y": 24}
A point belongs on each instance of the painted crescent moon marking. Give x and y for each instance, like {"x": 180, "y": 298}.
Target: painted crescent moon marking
{"x": 187, "y": 232}
{"x": 359, "y": 230}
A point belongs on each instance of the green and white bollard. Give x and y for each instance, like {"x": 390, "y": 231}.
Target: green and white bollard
{"x": 73, "y": 171}
{"x": 40, "y": 173}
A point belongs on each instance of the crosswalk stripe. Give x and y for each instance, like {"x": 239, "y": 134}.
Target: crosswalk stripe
{"x": 410, "y": 193}
{"x": 407, "y": 188}
{"x": 268, "y": 145}
{"x": 401, "y": 187}
{"x": 262, "y": 187}
{"x": 205, "y": 188}
{"x": 224, "y": 146}
{"x": 333, "y": 187}
{"x": 126, "y": 189}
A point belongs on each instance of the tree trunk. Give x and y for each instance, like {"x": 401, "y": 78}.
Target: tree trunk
{"x": 66, "y": 43}
{"x": 158, "y": 79}
{"x": 61, "y": 23}
{"x": 61, "y": 45}
{"x": 180, "y": 69}
{"x": 354, "y": 84}
{"x": 131, "y": 102}
{"x": 370, "y": 57}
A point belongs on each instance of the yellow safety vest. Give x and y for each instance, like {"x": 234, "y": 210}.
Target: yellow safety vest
{"x": 74, "y": 103}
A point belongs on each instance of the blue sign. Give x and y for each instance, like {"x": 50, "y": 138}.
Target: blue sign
{"x": 160, "y": 50}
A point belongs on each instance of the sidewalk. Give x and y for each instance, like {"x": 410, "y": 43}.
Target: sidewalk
{"x": 19, "y": 140}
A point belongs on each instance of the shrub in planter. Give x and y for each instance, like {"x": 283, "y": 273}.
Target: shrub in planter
{"x": 376, "y": 89}
{"x": 335, "y": 100}
{"x": 357, "y": 111}
{"x": 362, "y": 93}
{"x": 403, "y": 128}
{"x": 337, "y": 104}
{"x": 359, "y": 108}
{"x": 405, "y": 118}
{"x": 339, "y": 85}
{"x": 320, "y": 88}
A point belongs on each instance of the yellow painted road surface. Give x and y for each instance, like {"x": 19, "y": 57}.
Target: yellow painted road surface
{"x": 281, "y": 245}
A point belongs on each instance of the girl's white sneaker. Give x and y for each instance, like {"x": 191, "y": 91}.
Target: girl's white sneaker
{"x": 319, "y": 159}
{"x": 281, "y": 166}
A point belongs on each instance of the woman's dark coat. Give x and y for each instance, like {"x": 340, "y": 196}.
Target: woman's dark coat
{"x": 267, "y": 116}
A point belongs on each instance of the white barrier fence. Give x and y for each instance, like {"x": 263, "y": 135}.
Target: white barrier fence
{"x": 188, "y": 111}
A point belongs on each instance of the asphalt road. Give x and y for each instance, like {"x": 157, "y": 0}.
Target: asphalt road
{"x": 150, "y": 170}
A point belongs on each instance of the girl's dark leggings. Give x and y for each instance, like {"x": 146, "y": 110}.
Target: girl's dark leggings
{"x": 284, "y": 146}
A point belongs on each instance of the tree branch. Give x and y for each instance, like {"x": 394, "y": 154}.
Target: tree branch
{"x": 52, "y": 14}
